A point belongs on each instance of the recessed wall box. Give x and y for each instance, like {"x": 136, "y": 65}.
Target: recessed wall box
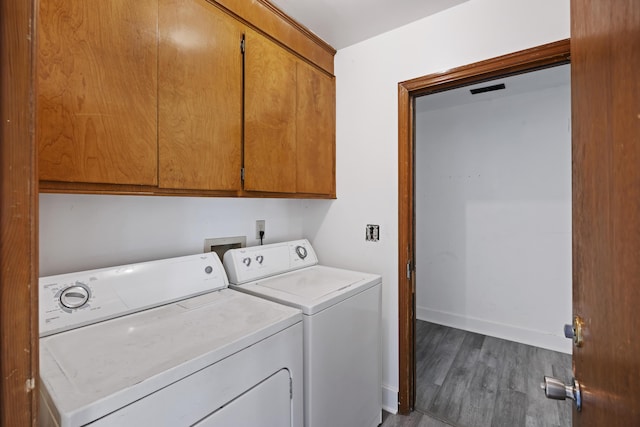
{"x": 220, "y": 245}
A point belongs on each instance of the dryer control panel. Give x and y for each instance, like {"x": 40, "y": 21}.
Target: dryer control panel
{"x": 257, "y": 262}
{"x": 72, "y": 300}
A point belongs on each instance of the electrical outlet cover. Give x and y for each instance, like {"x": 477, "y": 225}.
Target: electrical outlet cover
{"x": 260, "y": 226}
{"x": 372, "y": 233}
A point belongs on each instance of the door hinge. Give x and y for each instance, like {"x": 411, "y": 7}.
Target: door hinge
{"x": 409, "y": 269}
{"x": 290, "y": 389}
{"x": 242, "y": 44}
{"x": 241, "y": 174}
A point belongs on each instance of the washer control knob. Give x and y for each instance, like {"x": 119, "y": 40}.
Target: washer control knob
{"x": 246, "y": 261}
{"x": 301, "y": 251}
{"x": 259, "y": 258}
{"x": 75, "y": 296}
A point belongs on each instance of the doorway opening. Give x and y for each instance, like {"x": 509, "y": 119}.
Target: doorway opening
{"x": 538, "y": 58}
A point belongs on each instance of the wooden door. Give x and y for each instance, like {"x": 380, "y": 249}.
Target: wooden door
{"x": 18, "y": 220}
{"x": 315, "y": 131}
{"x": 605, "y": 86}
{"x": 199, "y": 97}
{"x": 270, "y": 116}
{"x": 96, "y": 91}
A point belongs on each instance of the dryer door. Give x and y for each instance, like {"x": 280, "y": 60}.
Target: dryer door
{"x": 267, "y": 404}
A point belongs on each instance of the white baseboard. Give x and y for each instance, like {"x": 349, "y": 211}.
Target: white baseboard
{"x": 498, "y": 330}
{"x": 389, "y": 399}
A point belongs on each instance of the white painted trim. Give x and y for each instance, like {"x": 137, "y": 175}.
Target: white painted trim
{"x": 498, "y": 330}
{"x": 390, "y": 399}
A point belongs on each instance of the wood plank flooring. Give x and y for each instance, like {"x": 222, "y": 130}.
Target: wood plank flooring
{"x": 414, "y": 419}
{"x": 465, "y": 379}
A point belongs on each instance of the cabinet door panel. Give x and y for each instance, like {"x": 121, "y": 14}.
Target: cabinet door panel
{"x": 270, "y": 116}
{"x": 97, "y": 91}
{"x": 200, "y": 97}
{"x": 315, "y": 130}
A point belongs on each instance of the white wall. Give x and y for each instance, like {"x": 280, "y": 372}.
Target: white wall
{"x": 493, "y": 215}
{"x": 79, "y": 232}
{"x": 367, "y": 76}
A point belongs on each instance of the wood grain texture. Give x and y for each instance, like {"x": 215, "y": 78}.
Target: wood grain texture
{"x": 463, "y": 398}
{"x": 605, "y": 49}
{"x": 199, "y": 97}
{"x": 541, "y": 411}
{"x": 264, "y": 17}
{"x": 406, "y": 245}
{"x": 18, "y": 220}
{"x": 414, "y": 419}
{"x": 270, "y": 116}
{"x": 510, "y": 409}
{"x": 144, "y": 190}
{"x": 98, "y": 104}
{"x": 97, "y": 91}
{"x": 436, "y": 349}
{"x": 468, "y": 379}
{"x": 315, "y": 131}
{"x": 548, "y": 55}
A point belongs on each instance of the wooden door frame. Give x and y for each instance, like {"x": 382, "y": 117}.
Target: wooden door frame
{"x": 18, "y": 219}
{"x": 539, "y": 57}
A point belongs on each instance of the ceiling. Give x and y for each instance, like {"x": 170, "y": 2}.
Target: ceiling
{"x": 342, "y": 23}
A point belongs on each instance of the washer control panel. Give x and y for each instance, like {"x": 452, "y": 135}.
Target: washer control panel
{"x": 257, "y": 262}
{"x": 301, "y": 251}
{"x": 72, "y": 300}
{"x": 75, "y": 296}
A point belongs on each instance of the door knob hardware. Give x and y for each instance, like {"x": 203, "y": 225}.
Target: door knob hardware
{"x": 556, "y": 389}
{"x": 575, "y": 331}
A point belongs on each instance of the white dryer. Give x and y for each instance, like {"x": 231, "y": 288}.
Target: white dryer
{"x": 166, "y": 343}
{"x": 341, "y": 317}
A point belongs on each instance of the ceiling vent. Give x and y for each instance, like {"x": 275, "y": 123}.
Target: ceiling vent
{"x": 487, "y": 89}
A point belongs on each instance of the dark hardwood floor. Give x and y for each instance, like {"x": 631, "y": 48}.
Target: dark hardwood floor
{"x": 414, "y": 419}
{"x": 465, "y": 379}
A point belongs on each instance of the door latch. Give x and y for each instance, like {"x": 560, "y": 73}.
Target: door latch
{"x": 575, "y": 331}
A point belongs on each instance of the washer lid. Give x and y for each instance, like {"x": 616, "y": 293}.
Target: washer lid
{"x": 91, "y": 371}
{"x": 311, "y": 289}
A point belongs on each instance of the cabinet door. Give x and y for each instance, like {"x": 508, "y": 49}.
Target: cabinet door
{"x": 270, "y": 116}
{"x": 315, "y": 131}
{"x": 200, "y": 97}
{"x": 96, "y": 91}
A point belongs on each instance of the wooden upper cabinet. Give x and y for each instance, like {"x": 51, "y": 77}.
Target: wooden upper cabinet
{"x": 199, "y": 97}
{"x": 315, "y": 130}
{"x": 156, "y": 97}
{"x": 96, "y": 91}
{"x": 270, "y": 116}
{"x": 289, "y": 143}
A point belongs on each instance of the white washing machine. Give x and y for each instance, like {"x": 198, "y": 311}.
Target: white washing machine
{"x": 166, "y": 343}
{"x": 341, "y": 317}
